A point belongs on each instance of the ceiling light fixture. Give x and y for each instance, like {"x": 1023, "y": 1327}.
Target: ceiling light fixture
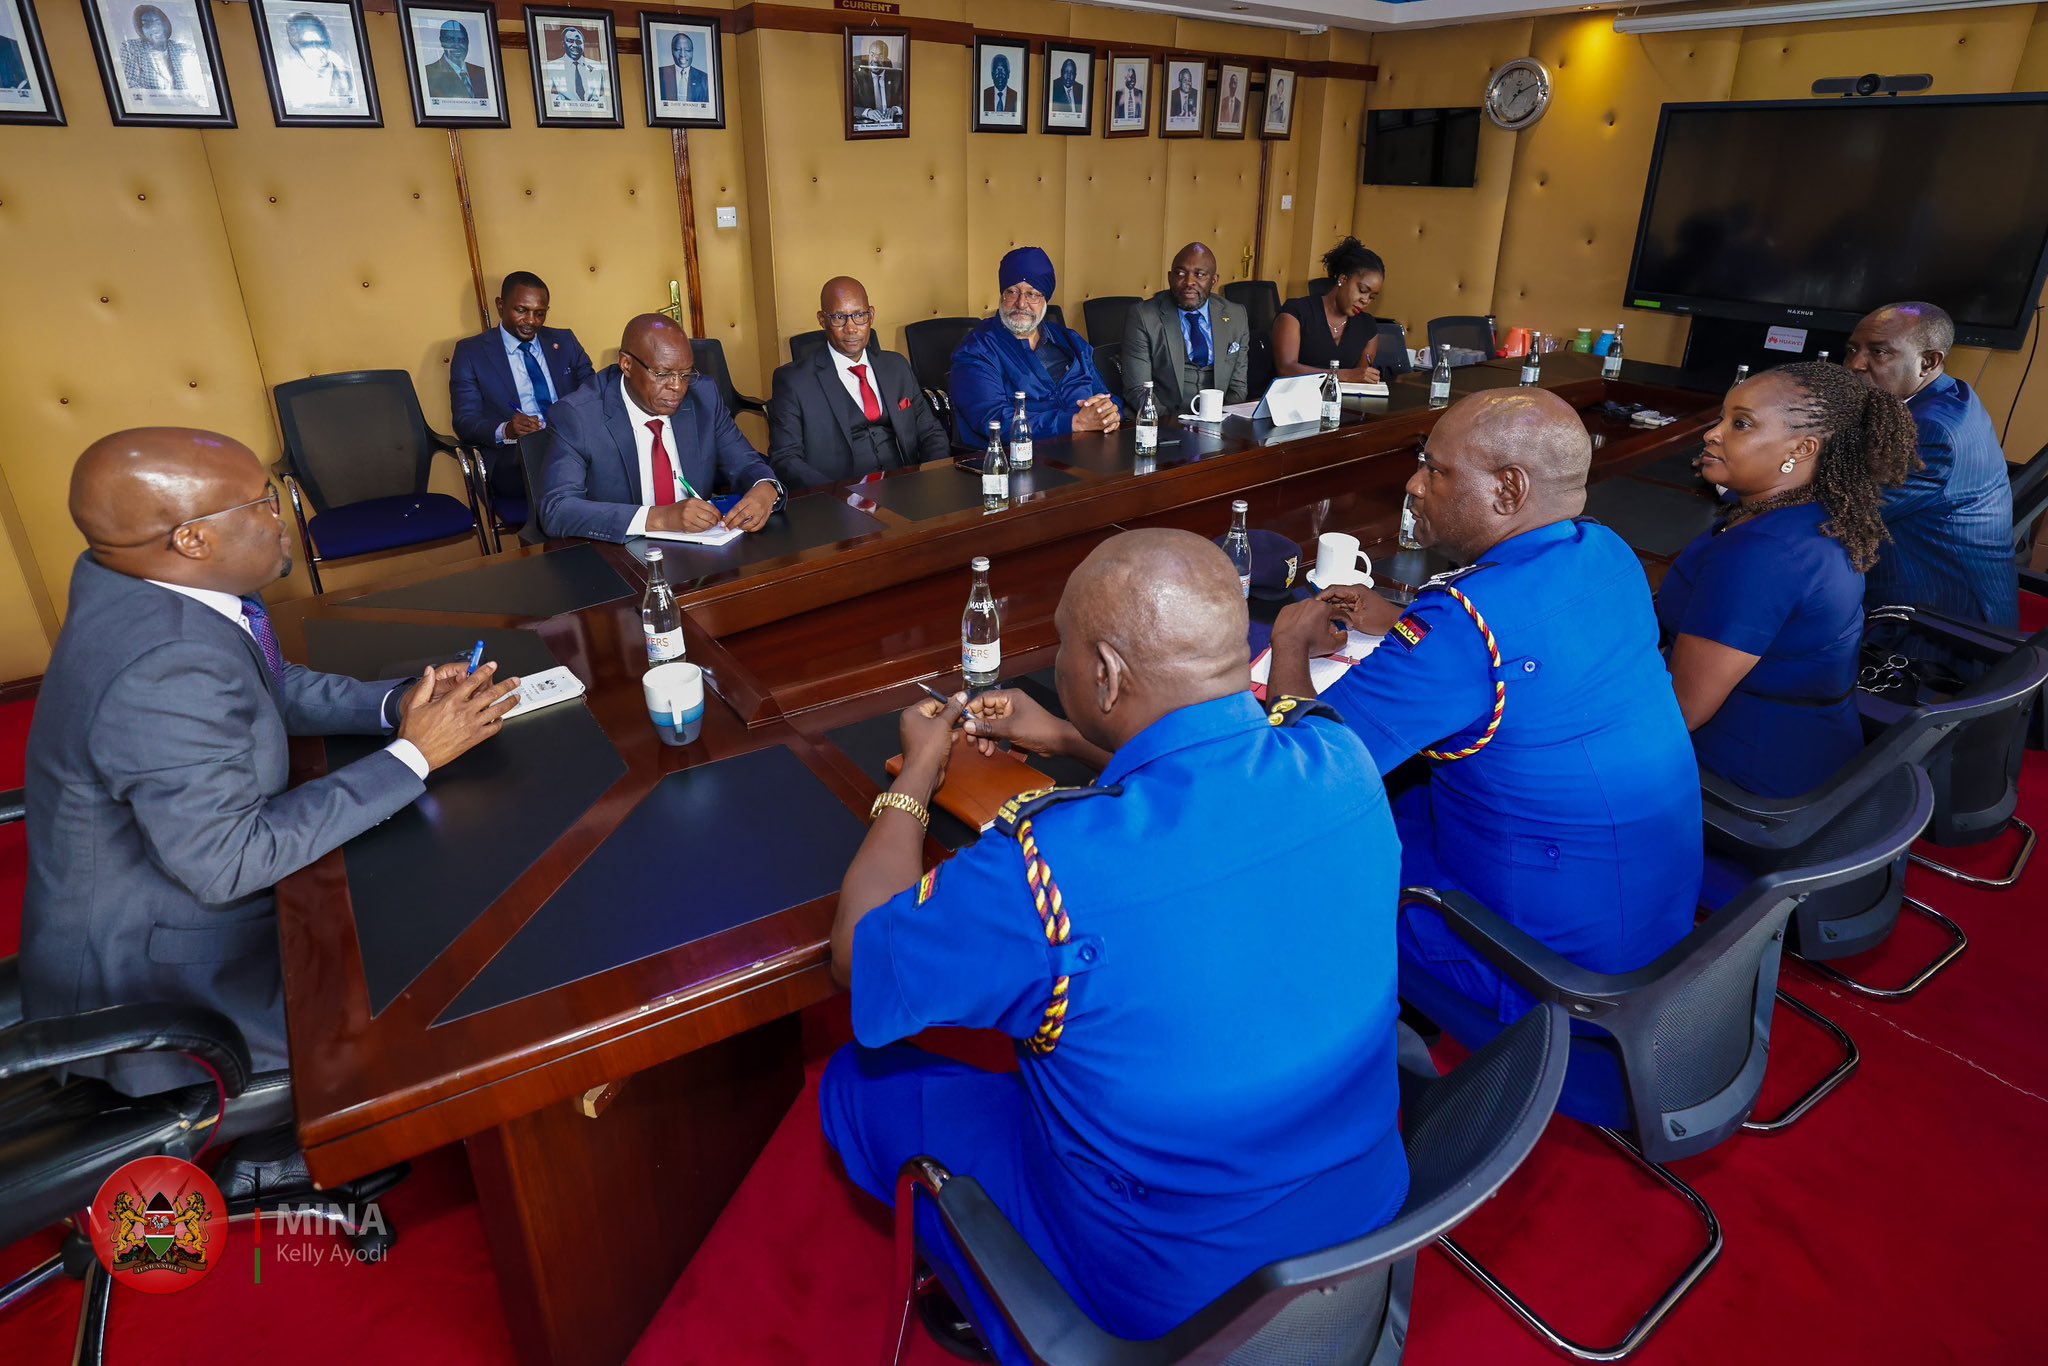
{"x": 1685, "y": 22}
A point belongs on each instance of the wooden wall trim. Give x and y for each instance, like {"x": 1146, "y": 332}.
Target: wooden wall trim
{"x": 792, "y": 19}
{"x": 476, "y": 260}
{"x": 686, "y": 210}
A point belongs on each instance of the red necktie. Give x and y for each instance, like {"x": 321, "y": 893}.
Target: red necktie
{"x": 869, "y": 404}
{"x": 664, "y": 473}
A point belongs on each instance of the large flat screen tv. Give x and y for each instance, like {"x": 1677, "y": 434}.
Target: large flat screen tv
{"x": 1813, "y": 212}
{"x": 1422, "y": 147}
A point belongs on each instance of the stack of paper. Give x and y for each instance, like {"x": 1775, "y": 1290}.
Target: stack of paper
{"x": 718, "y": 535}
{"x": 1321, "y": 672}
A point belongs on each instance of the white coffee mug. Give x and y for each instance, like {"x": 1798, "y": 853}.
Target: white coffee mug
{"x": 1339, "y": 561}
{"x": 1209, "y": 405}
{"x": 675, "y": 701}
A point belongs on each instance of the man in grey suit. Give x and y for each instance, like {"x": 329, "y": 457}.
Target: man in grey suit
{"x": 849, "y": 409}
{"x": 639, "y": 448}
{"x": 1183, "y": 340}
{"x": 158, "y": 818}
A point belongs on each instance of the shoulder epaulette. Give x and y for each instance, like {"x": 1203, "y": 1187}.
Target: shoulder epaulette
{"x": 1291, "y": 710}
{"x": 1025, "y": 805}
{"x": 1451, "y": 576}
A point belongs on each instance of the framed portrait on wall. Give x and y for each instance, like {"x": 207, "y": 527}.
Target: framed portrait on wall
{"x": 1128, "y": 96}
{"x": 1279, "y": 122}
{"x": 683, "y": 62}
{"x": 1233, "y": 91}
{"x": 1180, "y": 111}
{"x": 575, "y": 67}
{"x": 877, "y": 83}
{"x": 1002, "y": 85}
{"x": 160, "y": 62}
{"x": 453, "y": 64}
{"x": 1069, "y": 89}
{"x": 27, "y": 93}
{"x": 316, "y": 63}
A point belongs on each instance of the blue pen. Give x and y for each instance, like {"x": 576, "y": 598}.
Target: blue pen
{"x": 476, "y": 656}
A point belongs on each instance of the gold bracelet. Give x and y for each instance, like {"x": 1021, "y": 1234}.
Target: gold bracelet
{"x": 901, "y": 801}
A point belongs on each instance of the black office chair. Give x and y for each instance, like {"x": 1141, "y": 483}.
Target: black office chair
{"x": 533, "y": 462}
{"x": 358, "y": 448}
{"x": 1055, "y": 315}
{"x": 1260, "y": 300}
{"x": 1976, "y": 773}
{"x": 1391, "y": 358}
{"x": 708, "y": 356}
{"x": 1104, "y": 317}
{"x": 1465, "y": 1134}
{"x": 2029, "y": 500}
{"x": 805, "y": 344}
{"x": 1109, "y": 363}
{"x": 1320, "y": 286}
{"x": 1690, "y": 1033}
{"x": 931, "y": 343}
{"x": 1463, "y": 331}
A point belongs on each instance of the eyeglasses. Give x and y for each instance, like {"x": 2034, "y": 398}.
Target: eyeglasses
{"x": 859, "y": 319}
{"x": 1022, "y": 294}
{"x": 662, "y": 377}
{"x": 270, "y": 496}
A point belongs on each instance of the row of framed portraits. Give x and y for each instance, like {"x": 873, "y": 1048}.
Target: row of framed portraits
{"x": 1187, "y": 107}
{"x": 160, "y": 63}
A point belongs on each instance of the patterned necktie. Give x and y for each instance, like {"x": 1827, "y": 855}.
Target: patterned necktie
{"x": 1198, "y": 339}
{"x": 664, "y": 472}
{"x": 869, "y": 404}
{"x": 537, "y": 377}
{"x": 266, "y": 637}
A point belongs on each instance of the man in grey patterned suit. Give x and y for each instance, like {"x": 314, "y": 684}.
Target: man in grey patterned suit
{"x": 1183, "y": 340}
{"x": 158, "y": 818}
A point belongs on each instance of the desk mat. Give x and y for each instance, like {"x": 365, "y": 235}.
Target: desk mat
{"x": 1652, "y": 518}
{"x": 938, "y": 490}
{"x": 535, "y": 586}
{"x": 1677, "y": 468}
{"x": 707, "y": 849}
{"x": 873, "y": 742}
{"x": 420, "y": 879}
{"x": 805, "y": 523}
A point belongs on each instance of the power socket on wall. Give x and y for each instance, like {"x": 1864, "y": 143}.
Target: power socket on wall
{"x": 728, "y": 217}
{"x": 1286, "y": 202}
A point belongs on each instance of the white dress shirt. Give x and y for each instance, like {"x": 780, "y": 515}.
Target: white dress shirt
{"x": 521, "y": 381}
{"x": 851, "y": 380}
{"x": 643, "y": 450}
{"x": 230, "y": 606}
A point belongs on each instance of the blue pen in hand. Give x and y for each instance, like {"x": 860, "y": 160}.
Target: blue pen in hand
{"x": 476, "y": 656}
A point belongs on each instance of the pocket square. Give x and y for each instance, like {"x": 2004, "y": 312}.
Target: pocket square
{"x": 902, "y": 405}
{"x": 1235, "y": 347}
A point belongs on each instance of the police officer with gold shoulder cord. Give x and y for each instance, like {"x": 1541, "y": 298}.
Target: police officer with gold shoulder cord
{"x": 1203, "y": 999}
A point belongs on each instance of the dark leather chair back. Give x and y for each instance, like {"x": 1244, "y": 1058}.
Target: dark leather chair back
{"x": 352, "y": 437}
{"x": 931, "y": 343}
{"x": 1392, "y": 357}
{"x": 1104, "y": 318}
{"x": 1260, "y": 300}
{"x": 709, "y": 357}
{"x": 1109, "y": 363}
{"x": 1465, "y": 331}
{"x": 806, "y": 343}
{"x": 533, "y": 462}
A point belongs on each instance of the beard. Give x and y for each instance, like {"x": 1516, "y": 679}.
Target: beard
{"x": 1022, "y": 322}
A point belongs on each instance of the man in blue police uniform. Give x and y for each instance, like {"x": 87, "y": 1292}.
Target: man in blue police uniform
{"x": 1206, "y": 1027}
{"x": 1951, "y": 522}
{"x": 1018, "y": 350}
{"x": 1559, "y": 785}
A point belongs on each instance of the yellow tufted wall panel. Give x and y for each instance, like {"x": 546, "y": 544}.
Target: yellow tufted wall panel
{"x": 25, "y": 634}
{"x": 1442, "y": 246}
{"x": 725, "y": 257}
{"x": 1326, "y": 123}
{"x": 312, "y": 216}
{"x": 1972, "y": 52}
{"x": 1016, "y": 195}
{"x": 129, "y": 309}
{"x": 1577, "y": 187}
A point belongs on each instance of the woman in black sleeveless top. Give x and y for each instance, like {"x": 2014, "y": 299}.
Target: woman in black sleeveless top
{"x": 1311, "y": 332}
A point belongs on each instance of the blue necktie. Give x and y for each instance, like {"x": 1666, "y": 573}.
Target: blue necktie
{"x": 266, "y": 637}
{"x": 1198, "y": 339}
{"x": 537, "y": 377}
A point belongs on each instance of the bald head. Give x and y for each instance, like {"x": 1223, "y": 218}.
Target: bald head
{"x": 1192, "y": 277}
{"x": 654, "y": 345}
{"x": 846, "y": 316}
{"x": 1152, "y": 621}
{"x": 179, "y": 505}
{"x": 1497, "y": 464}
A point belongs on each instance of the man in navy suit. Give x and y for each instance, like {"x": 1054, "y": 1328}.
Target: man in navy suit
{"x": 640, "y": 449}
{"x": 682, "y": 80}
{"x": 503, "y": 381}
{"x": 850, "y": 408}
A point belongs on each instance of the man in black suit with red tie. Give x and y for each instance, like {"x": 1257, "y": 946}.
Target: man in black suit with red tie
{"x": 850, "y": 408}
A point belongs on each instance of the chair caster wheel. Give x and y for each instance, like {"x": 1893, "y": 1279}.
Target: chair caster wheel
{"x": 373, "y": 1245}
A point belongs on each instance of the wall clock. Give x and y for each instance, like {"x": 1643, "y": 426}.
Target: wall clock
{"x": 1518, "y": 93}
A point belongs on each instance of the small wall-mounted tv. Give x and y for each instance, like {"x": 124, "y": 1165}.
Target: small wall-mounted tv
{"x": 1422, "y": 147}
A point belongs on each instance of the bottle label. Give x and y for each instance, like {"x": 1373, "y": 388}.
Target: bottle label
{"x": 995, "y": 486}
{"x": 1333, "y": 412}
{"x": 1148, "y": 437}
{"x": 1611, "y": 366}
{"x": 1244, "y": 581}
{"x": 982, "y": 659}
{"x": 1440, "y": 388}
{"x": 662, "y": 646}
{"x": 1530, "y": 374}
{"x": 1020, "y": 455}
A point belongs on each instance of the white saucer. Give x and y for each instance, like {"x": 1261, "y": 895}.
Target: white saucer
{"x": 1359, "y": 581}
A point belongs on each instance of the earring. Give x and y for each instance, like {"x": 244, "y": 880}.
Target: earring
{"x": 1789, "y": 465}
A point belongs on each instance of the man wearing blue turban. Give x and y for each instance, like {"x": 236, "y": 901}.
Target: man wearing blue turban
{"x": 1017, "y": 349}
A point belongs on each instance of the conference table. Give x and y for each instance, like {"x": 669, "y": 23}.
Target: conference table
{"x": 583, "y": 953}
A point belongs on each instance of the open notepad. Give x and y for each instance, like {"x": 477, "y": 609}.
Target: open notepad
{"x": 1321, "y": 672}
{"x": 1351, "y": 390}
{"x": 718, "y": 535}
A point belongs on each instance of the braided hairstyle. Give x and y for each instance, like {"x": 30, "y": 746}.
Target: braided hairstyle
{"x": 1869, "y": 443}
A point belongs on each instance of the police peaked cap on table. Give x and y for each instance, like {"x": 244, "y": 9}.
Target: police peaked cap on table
{"x": 1277, "y": 567}
{"x": 1027, "y": 266}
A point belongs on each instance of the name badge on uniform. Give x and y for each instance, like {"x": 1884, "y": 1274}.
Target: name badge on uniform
{"x": 1409, "y": 631}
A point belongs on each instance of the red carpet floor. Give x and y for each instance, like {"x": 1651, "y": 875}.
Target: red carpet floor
{"x": 1903, "y": 1220}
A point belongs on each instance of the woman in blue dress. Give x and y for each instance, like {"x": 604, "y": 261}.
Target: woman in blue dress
{"x": 1762, "y": 617}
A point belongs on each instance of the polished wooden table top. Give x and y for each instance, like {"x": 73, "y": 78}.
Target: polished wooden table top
{"x": 795, "y": 643}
